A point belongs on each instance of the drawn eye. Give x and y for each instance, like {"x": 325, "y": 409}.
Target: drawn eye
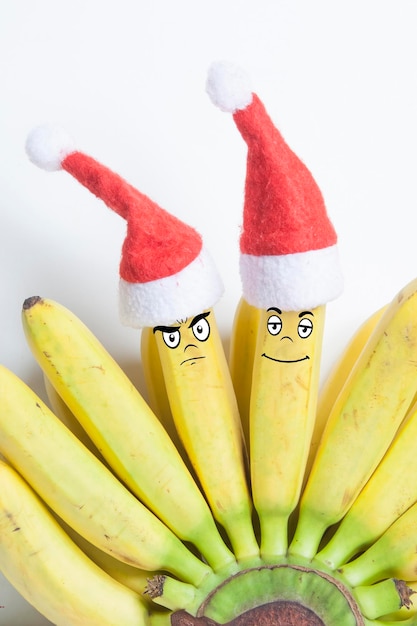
{"x": 201, "y": 329}
{"x": 305, "y": 327}
{"x": 274, "y": 325}
{"x": 172, "y": 338}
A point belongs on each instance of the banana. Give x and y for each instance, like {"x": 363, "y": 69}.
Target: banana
{"x": 60, "y": 409}
{"x": 82, "y": 491}
{"x": 363, "y": 421}
{"x": 393, "y": 555}
{"x": 241, "y": 356}
{"x": 337, "y": 378}
{"x": 282, "y": 410}
{"x": 51, "y": 572}
{"x": 132, "y": 577}
{"x": 388, "y": 493}
{"x": 121, "y": 424}
{"x": 411, "y": 621}
{"x": 206, "y": 416}
{"x": 155, "y": 386}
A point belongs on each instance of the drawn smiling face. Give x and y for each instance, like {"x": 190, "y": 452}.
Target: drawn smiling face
{"x": 288, "y": 336}
{"x": 187, "y": 338}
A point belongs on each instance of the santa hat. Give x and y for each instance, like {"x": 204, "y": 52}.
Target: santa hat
{"x": 166, "y": 274}
{"x": 289, "y": 256}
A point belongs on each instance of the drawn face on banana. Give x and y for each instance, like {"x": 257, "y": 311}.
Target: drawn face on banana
{"x": 287, "y": 336}
{"x": 186, "y": 341}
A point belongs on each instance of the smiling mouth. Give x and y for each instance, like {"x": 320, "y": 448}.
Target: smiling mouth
{"x": 304, "y": 358}
{"x": 193, "y": 359}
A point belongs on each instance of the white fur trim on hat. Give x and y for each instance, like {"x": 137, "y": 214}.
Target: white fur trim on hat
{"x": 292, "y": 282}
{"x": 228, "y": 87}
{"x": 162, "y": 302}
{"x": 47, "y": 146}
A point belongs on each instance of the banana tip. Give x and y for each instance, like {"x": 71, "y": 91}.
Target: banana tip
{"x": 30, "y": 302}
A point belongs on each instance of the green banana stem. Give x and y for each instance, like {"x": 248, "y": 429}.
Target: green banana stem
{"x": 173, "y": 594}
{"x": 383, "y": 598}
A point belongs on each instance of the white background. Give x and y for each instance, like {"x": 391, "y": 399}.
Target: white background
{"x": 127, "y": 80}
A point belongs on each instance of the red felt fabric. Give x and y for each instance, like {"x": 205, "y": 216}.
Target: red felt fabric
{"x": 157, "y": 244}
{"x": 284, "y": 211}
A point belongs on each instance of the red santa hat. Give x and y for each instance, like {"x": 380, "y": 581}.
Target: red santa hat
{"x": 289, "y": 256}
{"x": 166, "y": 273}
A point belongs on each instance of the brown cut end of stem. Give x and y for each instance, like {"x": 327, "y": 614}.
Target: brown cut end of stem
{"x": 279, "y": 613}
{"x": 404, "y": 593}
{"x": 155, "y": 586}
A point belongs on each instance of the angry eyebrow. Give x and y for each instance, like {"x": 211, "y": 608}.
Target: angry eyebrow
{"x": 276, "y": 309}
{"x": 197, "y": 318}
{"x": 305, "y": 313}
{"x": 166, "y": 329}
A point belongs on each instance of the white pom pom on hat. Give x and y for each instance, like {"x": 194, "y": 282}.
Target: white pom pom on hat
{"x": 47, "y": 146}
{"x": 166, "y": 273}
{"x": 228, "y": 86}
{"x": 289, "y": 256}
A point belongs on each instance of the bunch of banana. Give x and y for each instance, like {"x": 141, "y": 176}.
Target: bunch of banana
{"x": 69, "y": 504}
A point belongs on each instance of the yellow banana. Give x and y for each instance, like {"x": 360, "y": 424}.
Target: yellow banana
{"x": 121, "y": 424}
{"x": 411, "y": 621}
{"x": 60, "y": 409}
{"x": 51, "y": 572}
{"x": 134, "y": 578}
{"x": 363, "y": 421}
{"x": 81, "y": 490}
{"x": 387, "y": 494}
{"x": 337, "y": 378}
{"x": 393, "y": 555}
{"x": 154, "y": 380}
{"x": 206, "y": 416}
{"x": 282, "y": 411}
{"x": 241, "y": 356}
{"x": 155, "y": 386}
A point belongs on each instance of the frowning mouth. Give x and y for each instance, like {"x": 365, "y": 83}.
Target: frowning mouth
{"x": 193, "y": 359}
{"x": 304, "y": 358}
